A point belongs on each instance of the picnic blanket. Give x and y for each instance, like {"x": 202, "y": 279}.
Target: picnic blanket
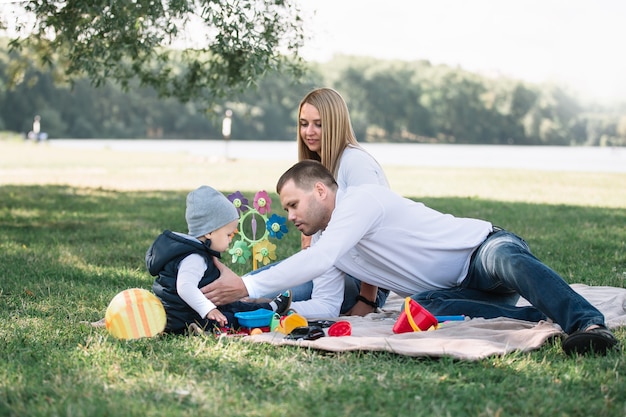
{"x": 471, "y": 339}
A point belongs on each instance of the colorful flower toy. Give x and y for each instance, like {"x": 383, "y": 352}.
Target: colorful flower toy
{"x": 252, "y": 242}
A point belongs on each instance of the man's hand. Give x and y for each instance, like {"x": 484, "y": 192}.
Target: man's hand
{"x": 227, "y": 288}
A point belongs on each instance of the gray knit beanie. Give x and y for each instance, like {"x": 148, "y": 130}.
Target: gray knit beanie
{"x": 208, "y": 210}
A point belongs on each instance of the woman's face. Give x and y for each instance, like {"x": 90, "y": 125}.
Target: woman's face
{"x": 311, "y": 127}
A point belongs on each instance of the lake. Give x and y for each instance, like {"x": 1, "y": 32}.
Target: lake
{"x": 551, "y": 158}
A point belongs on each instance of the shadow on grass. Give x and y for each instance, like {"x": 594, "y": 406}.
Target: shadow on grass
{"x": 66, "y": 252}
{"x": 74, "y": 243}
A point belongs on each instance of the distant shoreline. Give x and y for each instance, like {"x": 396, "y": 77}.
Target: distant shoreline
{"x": 148, "y": 166}
{"x": 549, "y": 158}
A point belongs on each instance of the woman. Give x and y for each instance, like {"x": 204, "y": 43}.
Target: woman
{"x": 333, "y": 142}
{"x": 325, "y": 134}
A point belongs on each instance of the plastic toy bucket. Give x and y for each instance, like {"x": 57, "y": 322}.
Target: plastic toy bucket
{"x": 414, "y": 318}
{"x": 290, "y": 322}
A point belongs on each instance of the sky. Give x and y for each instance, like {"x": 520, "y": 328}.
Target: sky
{"x": 577, "y": 43}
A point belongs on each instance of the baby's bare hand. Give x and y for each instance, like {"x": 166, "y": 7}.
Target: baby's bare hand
{"x": 217, "y": 315}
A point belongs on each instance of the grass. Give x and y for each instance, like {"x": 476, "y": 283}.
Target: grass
{"x": 72, "y": 239}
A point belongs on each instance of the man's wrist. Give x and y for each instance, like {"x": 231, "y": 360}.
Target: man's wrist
{"x": 366, "y": 301}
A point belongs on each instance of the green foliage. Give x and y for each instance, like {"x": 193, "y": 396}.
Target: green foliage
{"x": 67, "y": 251}
{"x": 392, "y": 101}
{"x": 400, "y": 101}
{"x": 234, "y": 43}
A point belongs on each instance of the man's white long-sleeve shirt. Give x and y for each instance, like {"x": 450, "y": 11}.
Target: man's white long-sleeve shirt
{"x": 382, "y": 239}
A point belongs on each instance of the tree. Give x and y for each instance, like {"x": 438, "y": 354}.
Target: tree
{"x": 234, "y": 42}
{"x": 389, "y": 97}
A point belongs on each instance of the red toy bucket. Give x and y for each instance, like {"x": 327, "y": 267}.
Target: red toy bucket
{"x": 414, "y": 318}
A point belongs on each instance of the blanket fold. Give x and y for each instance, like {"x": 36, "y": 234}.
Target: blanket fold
{"x": 471, "y": 339}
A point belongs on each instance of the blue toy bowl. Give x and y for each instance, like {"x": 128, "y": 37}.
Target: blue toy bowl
{"x": 256, "y": 318}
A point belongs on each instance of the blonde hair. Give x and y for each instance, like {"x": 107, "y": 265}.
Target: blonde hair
{"x": 337, "y": 132}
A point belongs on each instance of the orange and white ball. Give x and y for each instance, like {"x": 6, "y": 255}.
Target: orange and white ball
{"x": 135, "y": 313}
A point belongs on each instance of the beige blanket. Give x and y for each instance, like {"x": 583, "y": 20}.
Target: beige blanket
{"x": 471, "y": 339}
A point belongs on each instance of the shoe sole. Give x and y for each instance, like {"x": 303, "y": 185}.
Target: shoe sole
{"x": 588, "y": 342}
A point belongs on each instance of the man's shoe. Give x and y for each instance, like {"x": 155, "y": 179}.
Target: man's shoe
{"x": 283, "y": 302}
{"x": 599, "y": 340}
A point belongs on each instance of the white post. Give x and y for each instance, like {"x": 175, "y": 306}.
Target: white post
{"x": 226, "y": 129}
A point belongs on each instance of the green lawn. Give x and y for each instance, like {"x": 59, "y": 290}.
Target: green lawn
{"x": 75, "y": 228}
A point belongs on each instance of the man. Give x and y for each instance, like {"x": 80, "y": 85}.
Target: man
{"x": 449, "y": 265}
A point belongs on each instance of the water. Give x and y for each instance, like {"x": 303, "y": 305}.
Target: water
{"x": 550, "y": 158}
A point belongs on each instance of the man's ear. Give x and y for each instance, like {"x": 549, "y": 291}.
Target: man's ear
{"x": 320, "y": 189}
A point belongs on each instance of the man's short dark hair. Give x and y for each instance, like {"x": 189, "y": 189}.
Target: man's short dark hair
{"x": 305, "y": 174}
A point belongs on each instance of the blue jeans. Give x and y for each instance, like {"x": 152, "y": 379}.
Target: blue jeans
{"x": 502, "y": 269}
